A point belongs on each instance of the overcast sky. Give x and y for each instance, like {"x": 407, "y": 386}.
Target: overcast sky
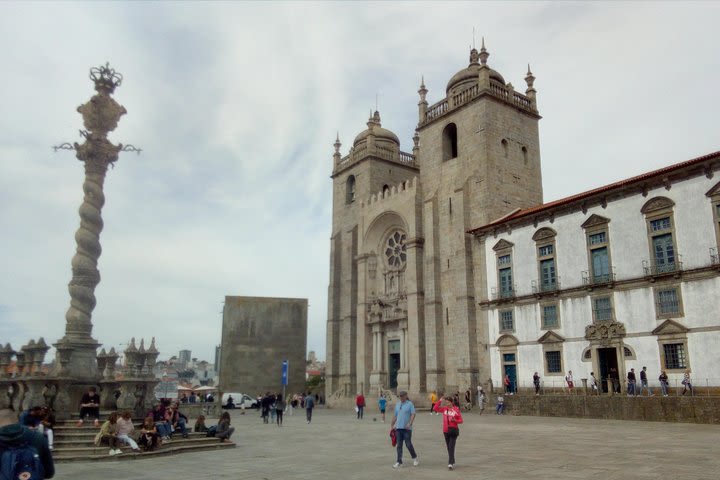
{"x": 236, "y": 107}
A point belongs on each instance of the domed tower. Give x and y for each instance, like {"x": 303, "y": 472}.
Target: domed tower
{"x": 479, "y": 159}
{"x": 372, "y": 168}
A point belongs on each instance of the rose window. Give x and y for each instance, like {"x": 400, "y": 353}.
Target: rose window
{"x": 395, "y": 251}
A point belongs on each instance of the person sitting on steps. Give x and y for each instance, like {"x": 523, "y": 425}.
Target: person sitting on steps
{"x": 109, "y": 434}
{"x": 90, "y": 407}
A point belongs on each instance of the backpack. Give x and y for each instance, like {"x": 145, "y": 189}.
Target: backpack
{"x": 20, "y": 462}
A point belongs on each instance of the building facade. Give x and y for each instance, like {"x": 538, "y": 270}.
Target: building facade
{"x": 405, "y": 277}
{"x": 620, "y": 277}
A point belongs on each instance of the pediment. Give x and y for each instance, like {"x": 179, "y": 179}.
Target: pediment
{"x": 503, "y": 245}
{"x": 715, "y": 190}
{"x": 670, "y": 327}
{"x": 657, "y": 203}
{"x": 544, "y": 233}
{"x": 507, "y": 341}
{"x": 595, "y": 220}
{"x": 551, "y": 337}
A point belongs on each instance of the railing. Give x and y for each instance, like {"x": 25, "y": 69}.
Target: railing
{"x": 651, "y": 268}
{"x": 546, "y": 286}
{"x": 522, "y": 101}
{"x": 407, "y": 158}
{"x": 503, "y": 293}
{"x": 498, "y": 90}
{"x": 465, "y": 96}
{"x": 588, "y": 278}
{"x": 556, "y": 385}
{"x": 437, "y": 110}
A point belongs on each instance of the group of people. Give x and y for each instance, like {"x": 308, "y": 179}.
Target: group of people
{"x": 404, "y": 417}
{"x": 273, "y": 406}
{"x": 197, "y": 398}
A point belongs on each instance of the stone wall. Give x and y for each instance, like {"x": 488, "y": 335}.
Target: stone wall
{"x": 656, "y": 409}
{"x": 258, "y": 334}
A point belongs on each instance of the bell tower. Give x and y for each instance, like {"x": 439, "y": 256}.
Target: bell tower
{"x": 479, "y": 158}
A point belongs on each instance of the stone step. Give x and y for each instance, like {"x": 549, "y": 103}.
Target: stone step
{"x": 60, "y": 457}
{"x": 77, "y": 448}
{"x": 89, "y": 437}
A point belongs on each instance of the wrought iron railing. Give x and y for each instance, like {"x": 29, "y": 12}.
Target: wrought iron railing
{"x": 653, "y": 268}
{"x": 547, "y": 285}
{"x": 589, "y": 278}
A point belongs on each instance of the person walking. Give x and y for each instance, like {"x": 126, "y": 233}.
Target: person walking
{"x": 687, "y": 383}
{"x": 360, "y": 405}
{"x": 500, "y": 405}
{"x": 663, "y": 378}
{"x": 382, "y": 403}
{"x": 631, "y": 382}
{"x": 452, "y": 418}
{"x": 433, "y": 400}
{"x": 279, "y": 409}
{"x": 570, "y": 382}
{"x": 402, "y": 423}
{"x": 644, "y": 382}
{"x": 536, "y": 382}
{"x": 482, "y": 399}
{"x": 309, "y": 405}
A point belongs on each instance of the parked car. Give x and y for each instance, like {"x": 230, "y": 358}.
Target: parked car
{"x": 239, "y": 400}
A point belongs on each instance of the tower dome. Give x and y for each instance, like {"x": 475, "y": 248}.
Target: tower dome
{"x": 468, "y": 77}
{"x": 382, "y": 135}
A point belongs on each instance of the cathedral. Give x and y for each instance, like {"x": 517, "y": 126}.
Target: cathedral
{"x": 405, "y": 276}
{"x": 447, "y": 270}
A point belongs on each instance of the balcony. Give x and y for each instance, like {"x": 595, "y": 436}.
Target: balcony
{"x": 589, "y": 279}
{"x": 653, "y": 269}
{"x": 545, "y": 286}
{"x": 503, "y": 293}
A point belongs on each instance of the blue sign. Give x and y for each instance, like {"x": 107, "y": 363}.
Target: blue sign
{"x": 285, "y": 372}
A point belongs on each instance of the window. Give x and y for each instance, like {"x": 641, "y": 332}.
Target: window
{"x": 545, "y": 242}
{"x": 449, "y": 138}
{"x": 675, "y": 358}
{"x": 350, "y": 189}
{"x": 550, "y": 316}
{"x": 553, "y": 363}
{"x": 506, "y": 288}
{"x": 602, "y": 309}
{"x": 587, "y": 355}
{"x": 667, "y": 302}
{"x": 396, "y": 250}
{"x": 506, "y": 321}
{"x": 660, "y": 226}
{"x": 505, "y": 147}
{"x": 385, "y": 191}
{"x": 598, "y": 248}
{"x": 525, "y": 155}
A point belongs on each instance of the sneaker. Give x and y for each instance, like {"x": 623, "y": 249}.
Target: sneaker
{"x": 451, "y": 466}
{"x": 397, "y": 465}
{"x": 118, "y": 451}
{"x": 111, "y": 452}
{"x": 416, "y": 461}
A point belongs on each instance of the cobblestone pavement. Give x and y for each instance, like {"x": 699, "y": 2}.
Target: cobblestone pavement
{"x": 336, "y": 445}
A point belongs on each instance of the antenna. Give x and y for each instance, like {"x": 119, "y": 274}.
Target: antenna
{"x": 376, "y": 101}
{"x": 473, "y": 37}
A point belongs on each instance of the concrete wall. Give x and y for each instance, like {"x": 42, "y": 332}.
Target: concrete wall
{"x": 258, "y": 334}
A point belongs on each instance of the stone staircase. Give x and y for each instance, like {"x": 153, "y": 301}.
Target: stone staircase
{"x": 75, "y": 444}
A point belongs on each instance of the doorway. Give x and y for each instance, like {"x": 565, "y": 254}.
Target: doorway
{"x": 607, "y": 359}
{"x": 510, "y": 369}
{"x": 393, "y": 362}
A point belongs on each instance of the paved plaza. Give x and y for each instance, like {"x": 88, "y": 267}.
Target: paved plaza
{"x": 336, "y": 445}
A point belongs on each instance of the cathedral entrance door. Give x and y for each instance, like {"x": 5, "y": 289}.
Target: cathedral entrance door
{"x": 393, "y": 362}
{"x": 607, "y": 359}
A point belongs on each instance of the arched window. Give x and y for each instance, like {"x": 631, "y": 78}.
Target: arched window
{"x": 525, "y": 155}
{"x": 450, "y": 149}
{"x": 386, "y": 190}
{"x": 350, "y": 189}
{"x": 504, "y": 144}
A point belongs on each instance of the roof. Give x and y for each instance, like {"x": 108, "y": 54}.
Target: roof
{"x": 639, "y": 181}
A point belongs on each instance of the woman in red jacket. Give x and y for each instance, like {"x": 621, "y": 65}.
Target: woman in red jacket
{"x": 451, "y": 419}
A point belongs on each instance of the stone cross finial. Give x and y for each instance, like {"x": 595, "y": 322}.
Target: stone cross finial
{"x": 483, "y": 53}
{"x": 337, "y": 144}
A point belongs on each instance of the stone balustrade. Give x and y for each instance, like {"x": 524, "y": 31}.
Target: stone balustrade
{"x": 363, "y": 151}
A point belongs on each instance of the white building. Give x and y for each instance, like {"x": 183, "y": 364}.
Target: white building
{"x": 619, "y": 277}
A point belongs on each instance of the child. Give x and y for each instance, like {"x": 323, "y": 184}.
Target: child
{"x": 500, "y": 406}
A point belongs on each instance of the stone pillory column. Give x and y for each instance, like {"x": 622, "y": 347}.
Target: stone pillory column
{"x": 100, "y": 116}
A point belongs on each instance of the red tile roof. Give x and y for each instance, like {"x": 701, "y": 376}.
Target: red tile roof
{"x": 636, "y": 181}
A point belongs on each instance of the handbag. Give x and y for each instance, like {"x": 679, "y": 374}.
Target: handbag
{"x": 393, "y": 437}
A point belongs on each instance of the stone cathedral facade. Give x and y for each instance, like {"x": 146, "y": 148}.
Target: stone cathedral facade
{"x": 405, "y": 276}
